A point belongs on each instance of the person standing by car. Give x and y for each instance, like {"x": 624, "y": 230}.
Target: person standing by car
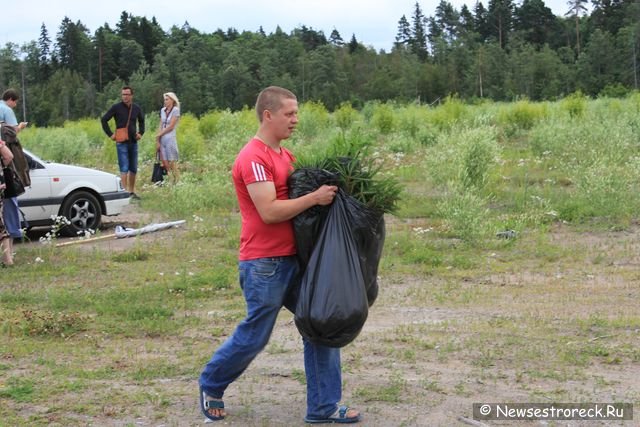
{"x": 166, "y": 140}
{"x": 268, "y": 265}
{"x": 126, "y": 114}
{"x": 6, "y": 244}
{"x": 10, "y": 211}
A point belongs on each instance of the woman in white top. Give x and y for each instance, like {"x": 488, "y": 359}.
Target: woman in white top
{"x": 166, "y": 142}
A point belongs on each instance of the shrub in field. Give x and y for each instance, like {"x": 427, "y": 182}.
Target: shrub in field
{"x": 400, "y": 143}
{"x": 313, "y": 119}
{"x": 427, "y": 136}
{"x": 345, "y": 116}
{"x": 208, "y": 124}
{"x": 247, "y": 120}
{"x": 240, "y": 124}
{"x": 464, "y": 157}
{"x": 465, "y": 215}
{"x": 64, "y": 145}
{"x": 190, "y": 141}
{"x": 522, "y": 115}
{"x": 478, "y": 157}
{"x": 615, "y": 90}
{"x": 601, "y": 190}
{"x": 411, "y": 119}
{"x": 368, "y": 109}
{"x": 197, "y": 191}
{"x": 609, "y": 135}
{"x": 383, "y": 118}
{"x": 91, "y": 128}
{"x": 575, "y": 104}
{"x": 448, "y": 114}
{"x": 109, "y": 155}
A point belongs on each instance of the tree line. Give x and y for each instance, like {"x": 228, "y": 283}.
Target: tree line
{"x": 500, "y": 52}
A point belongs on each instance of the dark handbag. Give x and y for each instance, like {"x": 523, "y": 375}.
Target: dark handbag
{"x": 14, "y": 186}
{"x": 122, "y": 134}
{"x": 158, "y": 170}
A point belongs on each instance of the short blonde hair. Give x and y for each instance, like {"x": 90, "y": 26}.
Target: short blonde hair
{"x": 173, "y": 97}
{"x": 271, "y": 99}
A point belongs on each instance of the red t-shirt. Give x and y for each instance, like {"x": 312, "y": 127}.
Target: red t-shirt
{"x": 258, "y": 162}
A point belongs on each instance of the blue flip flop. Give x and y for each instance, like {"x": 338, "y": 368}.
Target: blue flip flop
{"x": 338, "y": 417}
{"x": 205, "y": 405}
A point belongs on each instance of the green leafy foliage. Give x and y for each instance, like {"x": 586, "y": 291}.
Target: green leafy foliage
{"x": 575, "y": 104}
{"x": 345, "y": 116}
{"x": 359, "y": 174}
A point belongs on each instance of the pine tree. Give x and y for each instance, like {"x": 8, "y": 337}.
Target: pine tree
{"x": 501, "y": 19}
{"x": 44, "y": 51}
{"x": 418, "y": 41}
{"x": 577, "y": 8}
{"x": 335, "y": 38}
{"x": 403, "y": 38}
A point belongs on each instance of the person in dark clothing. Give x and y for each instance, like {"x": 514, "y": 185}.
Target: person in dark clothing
{"x": 9, "y": 128}
{"x": 126, "y": 114}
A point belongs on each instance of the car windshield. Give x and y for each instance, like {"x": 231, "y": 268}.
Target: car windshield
{"x": 33, "y": 163}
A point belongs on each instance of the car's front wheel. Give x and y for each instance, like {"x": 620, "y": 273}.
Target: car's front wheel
{"x": 83, "y": 211}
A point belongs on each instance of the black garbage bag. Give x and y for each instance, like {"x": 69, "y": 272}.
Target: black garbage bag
{"x": 368, "y": 229}
{"x": 366, "y": 225}
{"x": 332, "y": 304}
{"x": 307, "y": 224}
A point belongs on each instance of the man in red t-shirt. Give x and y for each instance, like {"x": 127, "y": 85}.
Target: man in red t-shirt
{"x": 268, "y": 266}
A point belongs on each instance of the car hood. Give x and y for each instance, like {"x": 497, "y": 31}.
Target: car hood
{"x": 69, "y": 170}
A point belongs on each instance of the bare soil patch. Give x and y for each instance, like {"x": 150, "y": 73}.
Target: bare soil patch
{"x": 422, "y": 362}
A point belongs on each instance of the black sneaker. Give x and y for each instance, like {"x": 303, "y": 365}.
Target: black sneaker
{"x": 134, "y": 196}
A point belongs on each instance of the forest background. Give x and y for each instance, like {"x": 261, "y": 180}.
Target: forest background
{"x": 504, "y": 51}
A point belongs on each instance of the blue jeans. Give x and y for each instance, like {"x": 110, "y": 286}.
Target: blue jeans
{"x": 127, "y": 156}
{"x": 265, "y": 283}
{"x": 11, "y": 216}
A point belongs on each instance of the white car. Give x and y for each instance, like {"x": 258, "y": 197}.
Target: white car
{"x": 81, "y": 195}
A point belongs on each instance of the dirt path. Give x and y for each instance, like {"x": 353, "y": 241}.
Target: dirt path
{"x": 424, "y": 361}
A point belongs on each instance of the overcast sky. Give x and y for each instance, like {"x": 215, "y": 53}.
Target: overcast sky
{"x": 374, "y": 22}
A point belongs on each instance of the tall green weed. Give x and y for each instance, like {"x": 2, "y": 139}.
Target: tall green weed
{"x": 465, "y": 214}
{"x": 64, "y": 145}
{"x": 464, "y": 157}
{"x": 208, "y": 124}
{"x": 447, "y": 115}
{"x": 383, "y": 118}
{"x": 574, "y": 104}
{"x": 313, "y": 118}
{"x": 191, "y": 142}
{"x": 521, "y": 116}
{"x": 345, "y": 116}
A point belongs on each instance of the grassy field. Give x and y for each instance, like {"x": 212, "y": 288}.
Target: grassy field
{"x": 509, "y": 274}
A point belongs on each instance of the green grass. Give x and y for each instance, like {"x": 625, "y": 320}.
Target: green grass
{"x": 462, "y": 314}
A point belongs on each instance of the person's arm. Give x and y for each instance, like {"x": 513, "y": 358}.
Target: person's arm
{"x": 5, "y": 153}
{"x": 105, "y": 121}
{"x": 272, "y": 210}
{"x": 140, "y": 124}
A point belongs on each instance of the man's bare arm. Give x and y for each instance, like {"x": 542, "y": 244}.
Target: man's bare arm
{"x": 272, "y": 210}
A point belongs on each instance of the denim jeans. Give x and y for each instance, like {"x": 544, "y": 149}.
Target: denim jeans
{"x": 265, "y": 283}
{"x": 11, "y": 215}
{"x": 127, "y": 156}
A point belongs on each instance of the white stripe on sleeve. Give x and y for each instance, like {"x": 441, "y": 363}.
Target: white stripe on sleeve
{"x": 258, "y": 171}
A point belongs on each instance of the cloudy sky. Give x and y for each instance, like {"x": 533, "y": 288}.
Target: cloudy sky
{"x": 374, "y": 23}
